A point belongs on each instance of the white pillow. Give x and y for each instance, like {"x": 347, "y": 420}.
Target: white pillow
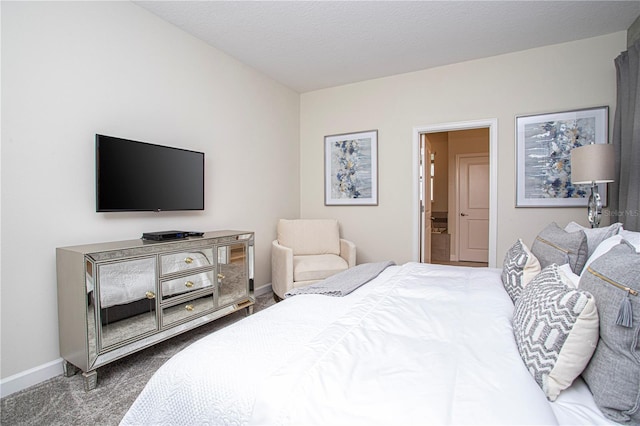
{"x": 594, "y": 235}
{"x": 603, "y": 248}
{"x": 632, "y": 237}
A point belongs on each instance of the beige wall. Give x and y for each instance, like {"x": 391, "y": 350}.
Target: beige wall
{"x": 73, "y": 69}
{"x": 554, "y": 78}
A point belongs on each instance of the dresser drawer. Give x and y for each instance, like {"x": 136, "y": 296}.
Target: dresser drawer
{"x": 178, "y": 286}
{"x": 186, "y": 310}
{"x": 184, "y": 261}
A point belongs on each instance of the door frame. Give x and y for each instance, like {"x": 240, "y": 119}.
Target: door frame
{"x": 492, "y": 125}
{"x": 425, "y": 182}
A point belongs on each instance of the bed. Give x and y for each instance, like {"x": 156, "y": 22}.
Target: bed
{"x": 419, "y": 343}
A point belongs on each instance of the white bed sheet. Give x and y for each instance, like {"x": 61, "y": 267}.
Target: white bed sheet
{"x": 419, "y": 344}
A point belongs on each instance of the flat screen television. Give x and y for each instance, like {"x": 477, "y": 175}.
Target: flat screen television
{"x": 140, "y": 176}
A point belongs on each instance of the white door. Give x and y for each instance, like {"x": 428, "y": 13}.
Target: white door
{"x": 426, "y": 200}
{"x": 473, "y": 208}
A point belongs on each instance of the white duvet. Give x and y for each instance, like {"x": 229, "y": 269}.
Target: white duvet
{"x": 420, "y": 344}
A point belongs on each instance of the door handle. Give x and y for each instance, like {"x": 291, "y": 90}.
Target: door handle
{"x": 463, "y": 214}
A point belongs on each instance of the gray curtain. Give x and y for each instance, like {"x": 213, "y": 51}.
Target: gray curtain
{"x": 625, "y": 191}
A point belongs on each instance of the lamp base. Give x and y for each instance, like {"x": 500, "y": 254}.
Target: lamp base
{"x": 594, "y": 208}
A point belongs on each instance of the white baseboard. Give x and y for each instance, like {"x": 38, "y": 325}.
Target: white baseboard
{"x": 33, "y": 376}
{"x": 259, "y": 291}
{"x": 39, "y": 374}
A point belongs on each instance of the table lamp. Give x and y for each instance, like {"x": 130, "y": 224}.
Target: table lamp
{"x": 593, "y": 164}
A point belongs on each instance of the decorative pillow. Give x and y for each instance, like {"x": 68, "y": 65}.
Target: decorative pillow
{"x": 613, "y": 374}
{"x": 572, "y": 279}
{"x": 603, "y": 248}
{"x": 632, "y": 237}
{"x": 555, "y": 245}
{"x": 594, "y": 235}
{"x": 520, "y": 266}
{"x": 556, "y": 330}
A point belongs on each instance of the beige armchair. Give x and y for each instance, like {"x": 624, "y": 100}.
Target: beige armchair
{"x": 307, "y": 251}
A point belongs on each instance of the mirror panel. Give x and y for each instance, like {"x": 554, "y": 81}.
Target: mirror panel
{"x": 127, "y": 292}
{"x": 232, "y": 273}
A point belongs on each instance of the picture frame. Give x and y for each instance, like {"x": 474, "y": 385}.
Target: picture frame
{"x": 351, "y": 169}
{"x": 543, "y": 148}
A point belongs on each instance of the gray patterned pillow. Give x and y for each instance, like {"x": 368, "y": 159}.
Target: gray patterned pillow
{"x": 613, "y": 374}
{"x": 556, "y": 330}
{"x": 554, "y": 245}
{"x": 520, "y": 266}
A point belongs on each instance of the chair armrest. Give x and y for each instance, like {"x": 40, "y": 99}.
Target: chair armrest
{"x": 281, "y": 269}
{"x": 348, "y": 252}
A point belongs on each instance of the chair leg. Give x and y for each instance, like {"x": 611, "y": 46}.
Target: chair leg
{"x": 276, "y": 298}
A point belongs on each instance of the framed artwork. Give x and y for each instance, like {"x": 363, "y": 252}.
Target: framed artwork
{"x": 351, "y": 169}
{"x": 543, "y": 148}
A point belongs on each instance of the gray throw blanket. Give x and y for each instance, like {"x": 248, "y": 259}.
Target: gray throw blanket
{"x": 344, "y": 282}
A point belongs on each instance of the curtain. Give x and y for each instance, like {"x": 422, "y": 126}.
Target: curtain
{"x": 625, "y": 191}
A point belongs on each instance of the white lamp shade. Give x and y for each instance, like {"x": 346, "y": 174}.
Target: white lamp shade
{"x": 592, "y": 163}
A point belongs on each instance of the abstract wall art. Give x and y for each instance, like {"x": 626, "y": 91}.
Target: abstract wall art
{"x": 351, "y": 169}
{"x": 543, "y": 147}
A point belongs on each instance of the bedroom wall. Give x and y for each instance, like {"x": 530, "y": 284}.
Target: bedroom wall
{"x": 555, "y": 78}
{"x": 73, "y": 69}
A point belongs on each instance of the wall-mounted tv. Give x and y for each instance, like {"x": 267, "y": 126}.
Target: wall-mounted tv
{"x": 140, "y": 176}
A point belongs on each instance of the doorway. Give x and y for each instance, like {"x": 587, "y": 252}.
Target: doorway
{"x": 451, "y": 224}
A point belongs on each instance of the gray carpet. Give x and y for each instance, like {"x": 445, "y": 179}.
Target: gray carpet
{"x": 63, "y": 401}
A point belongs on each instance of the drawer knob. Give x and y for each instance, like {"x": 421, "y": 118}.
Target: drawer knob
{"x": 189, "y": 307}
{"x": 188, "y": 260}
{"x": 188, "y": 284}
{"x": 150, "y": 295}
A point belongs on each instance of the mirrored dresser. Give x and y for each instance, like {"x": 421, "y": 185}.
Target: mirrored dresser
{"x": 120, "y": 297}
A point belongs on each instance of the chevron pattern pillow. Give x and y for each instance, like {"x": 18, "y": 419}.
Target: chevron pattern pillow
{"x": 556, "y": 329}
{"x": 520, "y": 266}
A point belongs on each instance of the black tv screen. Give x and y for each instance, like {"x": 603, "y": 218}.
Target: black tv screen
{"x": 139, "y": 176}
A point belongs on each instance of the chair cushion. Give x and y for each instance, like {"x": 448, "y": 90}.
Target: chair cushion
{"x": 317, "y": 267}
{"x": 310, "y": 236}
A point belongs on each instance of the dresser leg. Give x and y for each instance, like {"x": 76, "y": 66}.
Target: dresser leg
{"x": 90, "y": 380}
{"x": 69, "y": 369}
{"x": 249, "y": 310}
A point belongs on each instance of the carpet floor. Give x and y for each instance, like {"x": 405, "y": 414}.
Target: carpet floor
{"x": 63, "y": 400}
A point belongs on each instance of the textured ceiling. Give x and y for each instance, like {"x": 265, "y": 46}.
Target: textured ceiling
{"x": 309, "y": 45}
